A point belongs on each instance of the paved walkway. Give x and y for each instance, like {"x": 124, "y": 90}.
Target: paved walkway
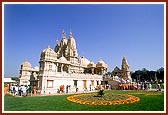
{"x": 162, "y": 90}
{"x": 64, "y": 93}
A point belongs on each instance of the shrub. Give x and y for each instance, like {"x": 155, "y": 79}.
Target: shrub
{"x": 101, "y": 92}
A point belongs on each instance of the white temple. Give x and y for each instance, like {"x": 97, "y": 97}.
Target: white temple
{"x": 63, "y": 66}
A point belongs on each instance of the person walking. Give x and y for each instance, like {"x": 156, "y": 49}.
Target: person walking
{"x": 150, "y": 86}
{"x": 159, "y": 88}
{"x": 67, "y": 89}
{"x": 90, "y": 87}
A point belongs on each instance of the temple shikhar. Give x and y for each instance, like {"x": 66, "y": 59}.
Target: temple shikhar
{"x": 124, "y": 72}
{"x": 62, "y": 66}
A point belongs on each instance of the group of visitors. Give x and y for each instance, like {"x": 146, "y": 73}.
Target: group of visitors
{"x": 19, "y": 90}
{"x": 148, "y": 86}
{"x": 145, "y": 86}
{"x": 158, "y": 87}
{"x": 135, "y": 86}
{"x": 67, "y": 88}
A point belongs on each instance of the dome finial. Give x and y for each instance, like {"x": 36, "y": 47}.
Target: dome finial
{"x": 57, "y": 41}
{"x": 70, "y": 33}
{"x": 63, "y": 33}
{"x": 83, "y": 54}
{"x": 48, "y": 46}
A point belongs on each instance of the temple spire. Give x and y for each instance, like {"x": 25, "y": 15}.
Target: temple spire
{"x": 70, "y": 34}
{"x": 63, "y": 34}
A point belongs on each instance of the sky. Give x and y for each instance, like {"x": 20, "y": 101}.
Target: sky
{"x": 101, "y": 31}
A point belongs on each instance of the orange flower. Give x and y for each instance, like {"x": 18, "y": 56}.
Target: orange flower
{"x": 90, "y": 100}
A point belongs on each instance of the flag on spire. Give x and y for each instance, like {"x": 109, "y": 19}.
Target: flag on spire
{"x": 63, "y": 33}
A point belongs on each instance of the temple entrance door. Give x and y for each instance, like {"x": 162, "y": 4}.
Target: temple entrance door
{"x": 92, "y": 82}
{"x": 84, "y": 84}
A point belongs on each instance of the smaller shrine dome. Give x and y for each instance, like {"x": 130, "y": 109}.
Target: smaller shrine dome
{"x": 63, "y": 60}
{"x": 48, "y": 53}
{"x": 101, "y": 63}
{"x": 48, "y": 50}
{"x": 84, "y": 61}
{"x": 91, "y": 64}
{"x": 26, "y": 64}
{"x": 36, "y": 68}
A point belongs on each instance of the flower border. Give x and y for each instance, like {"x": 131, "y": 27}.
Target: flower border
{"x": 131, "y": 99}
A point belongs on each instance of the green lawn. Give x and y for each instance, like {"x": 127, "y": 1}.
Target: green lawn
{"x": 154, "y": 86}
{"x": 60, "y": 103}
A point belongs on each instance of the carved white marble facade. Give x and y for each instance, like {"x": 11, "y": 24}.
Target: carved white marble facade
{"x": 27, "y": 73}
{"x": 63, "y": 66}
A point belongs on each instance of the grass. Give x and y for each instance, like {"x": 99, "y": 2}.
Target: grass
{"x": 154, "y": 86}
{"x": 60, "y": 103}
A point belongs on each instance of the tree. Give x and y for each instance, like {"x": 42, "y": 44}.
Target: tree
{"x": 100, "y": 93}
{"x": 152, "y": 76}
{"x": 15, "y": 78}
{"x": 146, "y": 75}
{"x": 160, "y": 74}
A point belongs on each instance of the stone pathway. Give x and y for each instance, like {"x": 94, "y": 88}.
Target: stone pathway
{"x": 162, "y": 90}
{"x": 64, "y": 93}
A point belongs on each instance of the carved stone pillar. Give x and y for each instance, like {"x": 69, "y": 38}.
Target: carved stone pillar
{"x": 56, "y": 67}
{"x": 68, "y": 67}
{"x": 92, "y": 70}
{"x": 101, "y": 71}
{"x": 62, "y": 67}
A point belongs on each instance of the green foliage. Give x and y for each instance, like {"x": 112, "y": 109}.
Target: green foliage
{"x": 154, "y": 86}
{"x": 15, "y": 78}
{"x": 30, "y": 89}
{"x": 100, "y": 92}
{"x": 5, "y": 84}
{"x": 146, "y": 75}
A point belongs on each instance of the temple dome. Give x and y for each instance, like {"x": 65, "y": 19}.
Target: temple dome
{"x": 91, "y": 64}
{"x": 48, "y": 50}
{"x": 63, "y": 60}
{"x": 71, "y": 42}
{"x": 26, "y": 64}
{"x": 48, "y": 54}
{"x": 36, "y": 68}
{"x": 84, "y": 61}
{"x": 101, "y": 63}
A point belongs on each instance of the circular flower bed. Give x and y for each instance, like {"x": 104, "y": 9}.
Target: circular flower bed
{"x": 107, "y": 99}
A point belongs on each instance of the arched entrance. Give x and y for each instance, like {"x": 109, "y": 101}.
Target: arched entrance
{"x": 84, "y": 84}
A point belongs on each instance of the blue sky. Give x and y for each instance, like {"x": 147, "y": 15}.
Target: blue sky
{"x": 106, "y": 32}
